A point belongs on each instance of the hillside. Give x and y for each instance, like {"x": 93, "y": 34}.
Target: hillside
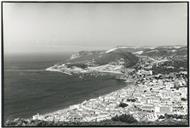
{"x": 166, "y": 51}
{"x": 102, "y": 58}
{"x": 161, "y": 59}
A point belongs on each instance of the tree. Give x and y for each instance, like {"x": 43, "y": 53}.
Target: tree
{"x": 123, "y": 105}
{"x": 125, "y": 118}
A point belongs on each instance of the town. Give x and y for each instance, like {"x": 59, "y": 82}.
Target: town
{"x": 148, "y": 97}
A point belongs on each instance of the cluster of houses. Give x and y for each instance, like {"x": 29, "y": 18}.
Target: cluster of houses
{"x": 149, "y": 97}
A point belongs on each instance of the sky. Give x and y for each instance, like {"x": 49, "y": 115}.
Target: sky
{"x": 65, "y": 27}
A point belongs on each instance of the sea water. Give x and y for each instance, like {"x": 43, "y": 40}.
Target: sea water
{"x": 29, "y": 89}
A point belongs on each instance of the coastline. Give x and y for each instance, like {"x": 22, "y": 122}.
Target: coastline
{"x": 150, "y": 96}
{"x": 135, "y": 99}
{"x": 88, "y": 90}
{"x": 100, "y": 94}
{"x": 59, "y": 114}
{"x": 95, "y": 95}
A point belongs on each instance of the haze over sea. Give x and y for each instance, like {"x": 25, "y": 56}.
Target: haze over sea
{"x": 29, "y": 89}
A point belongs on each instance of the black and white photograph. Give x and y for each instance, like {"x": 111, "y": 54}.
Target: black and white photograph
{"x": 95, "y": 63}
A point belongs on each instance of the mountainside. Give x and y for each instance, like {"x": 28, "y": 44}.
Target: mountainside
{"x": 127, "y": 54}
{"x": 102, "y": 57}
{"x": 166, "y": 51}
{"x": 117, "y": 60}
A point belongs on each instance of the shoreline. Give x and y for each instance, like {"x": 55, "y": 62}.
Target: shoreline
{"x": 92, "y": 96}
{"x": 96, "y": 93}
{"x": 54, "y": 116}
